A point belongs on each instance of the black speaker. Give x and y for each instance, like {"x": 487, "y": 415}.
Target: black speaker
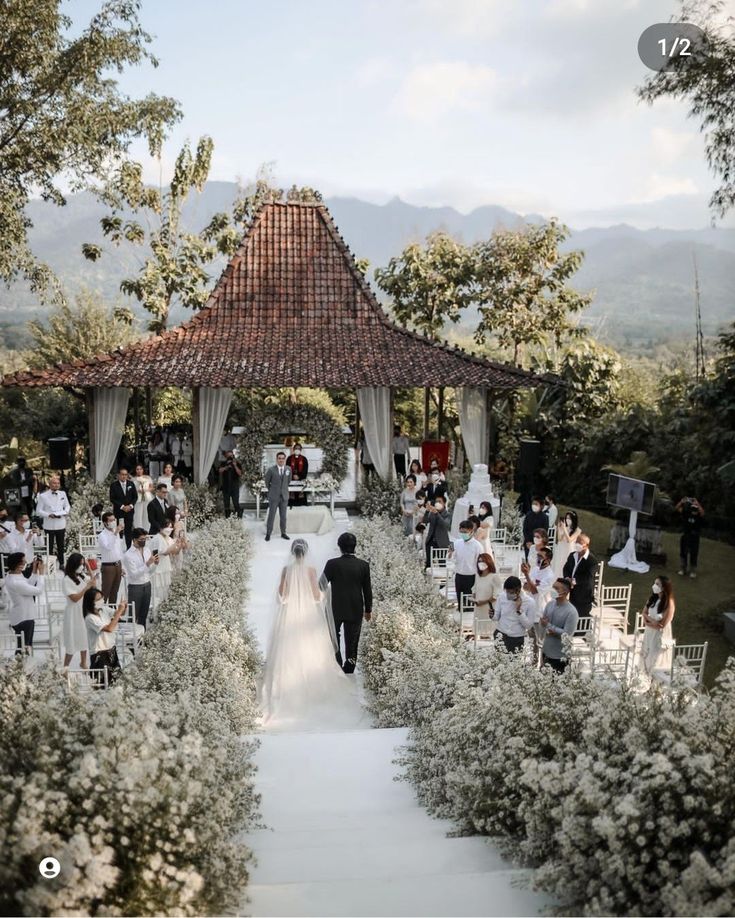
{"x": 529, "y": 458}
{"x": 61, "y": 452}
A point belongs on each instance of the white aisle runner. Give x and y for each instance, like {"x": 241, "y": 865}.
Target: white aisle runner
{"x": 343, "y": 837}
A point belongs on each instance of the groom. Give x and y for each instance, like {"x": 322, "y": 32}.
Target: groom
{"x": 352, "y": 597}
{"x": 277, "y": 480}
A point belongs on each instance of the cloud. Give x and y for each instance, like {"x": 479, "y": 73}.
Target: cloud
{"x": 661, "y": 186}
{"x": 669, "y": 146}
{"x": 430, "y": 91}
{"x": 373, "y": 71}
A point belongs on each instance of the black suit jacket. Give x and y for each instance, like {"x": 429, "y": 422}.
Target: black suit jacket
{"x": 352, "y": 592}
{"x": 437, "y": 531}
{"x": 119, "y": 497}
{"x": 435, "y": 490}
{"x": 156, "y": 516}
{"x": 583, "y": 591}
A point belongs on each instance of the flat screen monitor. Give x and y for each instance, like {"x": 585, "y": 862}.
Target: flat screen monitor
{"x": 630, "y": 493}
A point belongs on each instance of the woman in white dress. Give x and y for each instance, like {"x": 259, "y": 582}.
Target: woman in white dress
{"x": 485, "y": 533}
{"x": 179, "y": 535}
{"x": 167, "y": 476}
{"x": 302, "y": 681}
{"x": 78, "y": 579}
{"x": 658, "y": 642}
{"x": 167, "y": 548}
{"x": 487, "y": 588}
{"x": 567, "y": 531}
{"x": 144, "y": 486}
{"x": 418, "y": 473}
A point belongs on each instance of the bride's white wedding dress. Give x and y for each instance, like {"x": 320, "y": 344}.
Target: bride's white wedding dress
{"x": 303, "y": 687}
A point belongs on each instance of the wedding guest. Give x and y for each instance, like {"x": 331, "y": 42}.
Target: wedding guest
{"x": 173, "y": 518}
{"x": 657, "y": 645}
{"x": 227, "y": 443}
{"x": 418, "y": 473}
{"x": 436, "y": 487}
{"x": 299, "y": 465}
{"x": 111, "y": 554}
{"x": 26, "y": 483}
{"x": 534, "y": 519}
{"x": 123, "y": 497}
{"x": 96, "y": 514}
{"x": 78, "y": 580}
{"x": 560, "y": 617}
{"x": 53, "y": 508}
{"x": 513, "y": 616}
{"x": 177, "y": 496}
{"x": 144, "y": 489}
{"x": 277, "y": 481}
{"x": 166, "y": 547}
{"x": 5, "y": 530}
{"x": 581, "y": 569}
{"x": 484, "y": 533}
{"x": 409, "y": 505}
{"x": 435, "y": 468}
{"x": 551, "y": 510}
{"x": 156, "y": 452}
{"x": 187, "y": 455}
{"x": 465, "y": 551}
{"x": 539, "y": 578}
{"x": 488, "y": 587}
{"x": 401, "y": 451}
{"x": 368, "y": 466}
{"x": 167, "y": 476}
{"x": 21, "y": 537}
{"x": 157, "y": 510}
{"x": 692, "y": 513}
{"x": 138, "y": 561}
{"x": 101, "y": 627}
{"x": 567, "y": 533}
{"x": 230, "y": 477}
{"x": 438, "y": 525}
{"x": 22, "y": 592}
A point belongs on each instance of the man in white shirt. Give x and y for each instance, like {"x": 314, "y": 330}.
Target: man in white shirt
{"x": 465, "y": 550}
{"x": 514, "y": 615}
{"x": 22, "y": 592}
{"x": 111, "y": 551}
{"x": 401, "y": 450}
{"x": 539, "y": 583}
{"x": 20, "y": 538}
{"x": 227, "y": 443}
{"x": 138, "y": 561}
{"x": 53, "y": 508}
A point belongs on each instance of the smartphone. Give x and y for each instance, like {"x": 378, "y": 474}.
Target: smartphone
{"x": 155, "y": 552}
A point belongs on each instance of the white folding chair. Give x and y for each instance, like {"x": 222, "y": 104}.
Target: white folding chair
{"x": 551, "y": 537}
{"x": 613, "y": 604}
{"x": 499, "y": 535}
{"x": 466, "y": 617}
{"x": 97, "y": 526}
{"x": 439, "y": 569}
{"x": 598, "y": 581}
{"x": 87, "y": 680}
{"x": 12, "y": 645}
{"x": 88, "y": 545}
{"x": 687, "y": 666}
{"x": 615, "y": 662}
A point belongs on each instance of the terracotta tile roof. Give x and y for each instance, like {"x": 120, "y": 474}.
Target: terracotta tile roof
{"x": 290, "y": 309}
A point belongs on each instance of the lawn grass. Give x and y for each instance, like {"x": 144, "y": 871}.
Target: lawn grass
{"x": 699, "y": 603}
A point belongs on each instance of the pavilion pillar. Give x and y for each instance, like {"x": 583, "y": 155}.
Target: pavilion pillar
{"x": 92, "y": 437}
{"x": 196, "y": 437}
{"x": 440, "y": 413}
{"x": 427, "y": 406}
{"x": 488, "y": 425}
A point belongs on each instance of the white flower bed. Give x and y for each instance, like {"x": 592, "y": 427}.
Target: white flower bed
{"x": 140, "y": 791}
{"x": 624, "y": 803}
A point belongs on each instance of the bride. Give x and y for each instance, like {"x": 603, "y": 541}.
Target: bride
{"x": 302, "y": 682}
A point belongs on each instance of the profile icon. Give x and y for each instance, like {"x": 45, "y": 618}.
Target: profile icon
{"x": 49, "y": 868}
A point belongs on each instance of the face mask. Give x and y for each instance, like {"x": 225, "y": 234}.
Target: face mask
{"x": 482, "y": 567}
{"x": 80, "y": 569}
{"x": 656, "y": 588}
{"x": 435, "y": 478}
{"x": 512, "y": 596}
{"x": 297, "y": 452}
{"x": 439, "y": 507}
{"x": 98, "y": 606}
{"x": 110, "y": 524}
{"x": 569, "y": 522}
{"x": 577, "y": 548}
{"x": 483, "y": 512}
{"x": 537, "y": 540}
{"x": 536, "y": 508}
{"x": 27, "y": 525}
{"x": 555, "y": 594}
{"x": 466, "y": 536}
{"x": 167, "y": 531}
{"x": 141, "y": 544}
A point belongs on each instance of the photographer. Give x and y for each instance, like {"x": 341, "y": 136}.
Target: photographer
{"x": 22, "y": 592}
{"x": 514, "y": 615}
{"x": 692, "y": 512}
{"x": 101, "y": 627}
{"x": 230, "y": 473}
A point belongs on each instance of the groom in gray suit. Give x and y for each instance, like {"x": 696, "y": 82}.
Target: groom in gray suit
{"x": 277, "y": 480}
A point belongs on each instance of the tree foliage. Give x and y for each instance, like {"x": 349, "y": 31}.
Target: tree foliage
{"x": 707, "y": 82}
{"x": 62, "y": 115}
{"x": 74, "y": 332}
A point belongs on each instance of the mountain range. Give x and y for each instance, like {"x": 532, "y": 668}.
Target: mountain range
{"x": 643, "y": 279}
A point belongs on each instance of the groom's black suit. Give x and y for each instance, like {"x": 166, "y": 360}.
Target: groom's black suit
{"x": 352, "y": 596}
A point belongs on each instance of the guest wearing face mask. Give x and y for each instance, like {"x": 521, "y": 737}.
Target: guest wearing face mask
{"x": 560, "y": 617}
{"x": 101, "y": 627}
{"x": 299, "y": 465}
{"x": 111, "y": 553}
{"x": 580, "y": 569}
{"x": 514, "y": 615}
{"x": 551, "y": 510}
{"x": 465, "y": 551}
{"x": 166, "y": 548}
{"x": 78, "y": 581}
{"x": 536, "y": 518}
{"x": 438, "y": 525}
{"x": 487, "y": 524}
{"x": 418, "y": 473}
{"x": 658, "y": 612}
{"x": 539, "y": 583}
{"x": 20, "y": 538}
{"x": 409, "y": 505}
{"x": 22, "y": 593}
{"x": 138, "y": 561}
{"x": 487, "y": 590}
{"x": 567, "y": 533}
{"x": 436, "y": 487}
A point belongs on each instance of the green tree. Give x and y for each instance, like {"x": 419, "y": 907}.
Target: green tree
{"x": 520, "y": 285}
{"x": 77, "y": 332}
{"x": 62, "y": 114}
{"x": 707, "y": 82}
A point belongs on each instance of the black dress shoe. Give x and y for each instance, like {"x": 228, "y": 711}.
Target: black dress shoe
{"x": 267, "y": 538}
{"x": 284, "y": 536}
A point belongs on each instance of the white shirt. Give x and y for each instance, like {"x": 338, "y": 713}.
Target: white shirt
{"x": 580, "y": 555}
{"x": 99, "y": 640}
{"x": 552, "y": 512}
{"x": 509, "y": 621}
{"x": 401, "y": 446}
{"x": 465, "y": 555}
{"x": 53, "y": 502}
{"x": 21, "y": 591}
{"x": 20, "y": 541}
{"x": 136, "y": 566}
{"x": 543, "y": 578}
{"x": 7, "y": 527}
{"x": 111, "y": 546}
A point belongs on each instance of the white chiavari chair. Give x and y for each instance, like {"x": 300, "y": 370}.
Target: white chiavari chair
{"x": 439, "y": 569}
{"x": 466, "y": 617}
{"x": 687, "y": 666}
{"x": 551, "y": 537}
{"x": 12, "y": 645}
{"x": 85, "y": 681}
{"x": 612, "y": 662}
{"x": 499, "y": 535}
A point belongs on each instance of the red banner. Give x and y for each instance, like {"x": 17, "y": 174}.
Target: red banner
{"x": 435, "y": 449}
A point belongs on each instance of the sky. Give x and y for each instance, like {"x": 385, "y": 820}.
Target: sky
{"x": 528, "y": 104}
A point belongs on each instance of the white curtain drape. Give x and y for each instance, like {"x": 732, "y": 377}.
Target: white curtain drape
{"x": 211, "y": 416}
{"x": 472, "y": 411}
{"x": 110, "y": 410}
{"x": 375, "y": 414}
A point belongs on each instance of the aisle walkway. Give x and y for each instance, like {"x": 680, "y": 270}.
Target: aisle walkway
{"x": 343, "y": 837}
